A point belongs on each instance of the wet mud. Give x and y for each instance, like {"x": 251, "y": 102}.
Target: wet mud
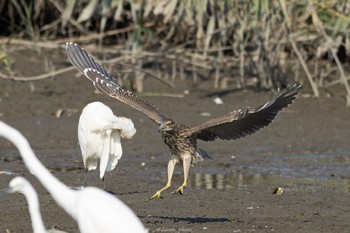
{"x": 305, "y": 151}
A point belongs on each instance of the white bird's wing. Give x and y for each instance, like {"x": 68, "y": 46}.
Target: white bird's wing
{"x": 122, "y": 124}
{"x": 82, "y": 134}
{"x": 111, "y": 153}
{"x": 116, "y": 150}
{"x": 105, "y": 152}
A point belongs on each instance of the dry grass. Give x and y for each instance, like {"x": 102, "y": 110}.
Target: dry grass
{"x": 244, "y": 43}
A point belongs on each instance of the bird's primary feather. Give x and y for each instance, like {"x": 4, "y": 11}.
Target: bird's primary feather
{"x": 240, "y": 123}
{"x": 105, "y": 82}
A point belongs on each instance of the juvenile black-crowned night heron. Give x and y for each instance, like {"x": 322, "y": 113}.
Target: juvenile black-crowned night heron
{"x": 181, "y": 139}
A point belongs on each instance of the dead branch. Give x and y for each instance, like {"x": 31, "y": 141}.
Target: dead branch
{"x": 37, "y": 77}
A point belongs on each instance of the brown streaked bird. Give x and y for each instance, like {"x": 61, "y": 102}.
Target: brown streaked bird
{"x": 182, "y": 140}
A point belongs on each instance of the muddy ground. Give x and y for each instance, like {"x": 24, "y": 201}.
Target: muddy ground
{"x": 305, "y": 151}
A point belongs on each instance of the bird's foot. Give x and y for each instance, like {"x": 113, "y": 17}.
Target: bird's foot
{"x": 156, "y": 195}
{"x": 181, "y": 189}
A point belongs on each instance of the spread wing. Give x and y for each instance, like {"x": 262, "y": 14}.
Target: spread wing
{"x": 240, "y": 123}
{"x": 105, "y": 82}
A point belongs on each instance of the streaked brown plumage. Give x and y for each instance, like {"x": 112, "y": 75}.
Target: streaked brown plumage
{"x": 182, "y": 140}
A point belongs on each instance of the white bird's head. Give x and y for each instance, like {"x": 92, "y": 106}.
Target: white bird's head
{"x": 127, "y": 129}
{"x": 17, "y": 184}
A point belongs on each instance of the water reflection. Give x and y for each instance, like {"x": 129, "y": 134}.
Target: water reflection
{"x": 231, "y": 181}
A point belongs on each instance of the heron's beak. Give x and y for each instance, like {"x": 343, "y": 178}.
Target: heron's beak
{"x": 166, "y": 126}
{"x": 162, "y": 127}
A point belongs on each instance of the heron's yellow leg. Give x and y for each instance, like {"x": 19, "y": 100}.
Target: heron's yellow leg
{"x": 186, "y": 164}
{"x": 171, "y": 166}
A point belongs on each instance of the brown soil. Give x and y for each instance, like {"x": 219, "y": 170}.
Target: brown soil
{"x": 305, "y": 151}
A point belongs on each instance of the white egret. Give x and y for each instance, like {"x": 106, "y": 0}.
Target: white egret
{"x": 99, "y": 133}
{"x": 94, "y": 209}
{"x": 21, "y": 185}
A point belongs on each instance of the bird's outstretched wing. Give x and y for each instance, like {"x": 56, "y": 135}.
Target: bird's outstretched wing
{"x": 240, "y": 123}
{"x": 105, "y": 82}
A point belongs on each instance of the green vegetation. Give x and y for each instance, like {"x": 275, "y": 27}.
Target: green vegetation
{"x": 6, "y": 60}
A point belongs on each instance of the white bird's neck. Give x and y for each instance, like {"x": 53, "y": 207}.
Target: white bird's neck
{"x": 34, "y": 210}
{"x": 64, "y": 196}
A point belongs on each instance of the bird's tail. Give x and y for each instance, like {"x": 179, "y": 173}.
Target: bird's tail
{"x": 199, "y": 156}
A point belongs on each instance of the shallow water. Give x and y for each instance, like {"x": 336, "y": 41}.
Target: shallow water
{"x": 294, "y": 170}
{"x": 240, "y": 181}
{"x": 304, "y": 163}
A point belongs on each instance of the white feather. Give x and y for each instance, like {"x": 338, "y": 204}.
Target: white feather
{"x": 99, "y": 133}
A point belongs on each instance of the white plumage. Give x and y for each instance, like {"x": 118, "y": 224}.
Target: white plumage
{"x": 99, "y": 134}
{"x": 94, "y": 209}
{"x": 21, "y": 185}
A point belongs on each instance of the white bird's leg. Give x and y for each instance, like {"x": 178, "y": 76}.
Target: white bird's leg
{"x": 186, "y": 164}
{"x": 86, "y": 172}
{"x": 171, "y": 167}
{"x": 104, "y": 184}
